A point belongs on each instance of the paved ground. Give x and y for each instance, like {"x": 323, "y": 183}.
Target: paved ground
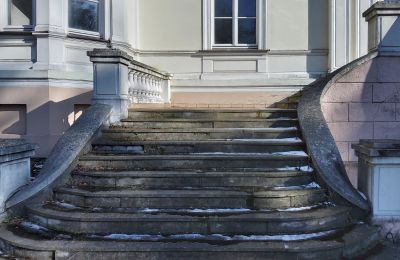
{"x": 387, "y": 250}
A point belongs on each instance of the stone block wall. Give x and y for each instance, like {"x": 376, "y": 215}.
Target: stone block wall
{"x": 364, "y": 104}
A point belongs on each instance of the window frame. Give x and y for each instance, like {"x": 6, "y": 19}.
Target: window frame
{"x": 235, "y": 27}
{"x": 100, "y": 34}
{"x": 208, "y": 28}
{"x": 23, "y": 27}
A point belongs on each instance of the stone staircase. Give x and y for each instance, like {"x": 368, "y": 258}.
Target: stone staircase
{"x": 194, "y": 184}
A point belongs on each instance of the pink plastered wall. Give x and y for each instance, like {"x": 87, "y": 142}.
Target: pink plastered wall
{"x": 364, "y": 104}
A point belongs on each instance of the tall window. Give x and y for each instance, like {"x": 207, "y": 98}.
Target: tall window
{"x": 235, "y": 22}
{"x": 84, "y": 15}
{"x": 20, "y": 12}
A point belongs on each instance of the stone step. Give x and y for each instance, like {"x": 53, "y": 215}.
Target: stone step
{"x": 212, "y": 114}
{"x": 355, "y": 241}
{"x": 254, "y": 223}
{"x": 207, "y": 123}
{"x": 202, "y": 146}
{"x": 196, "y": 161}
{"x": 190, "y": 198}
{"x": 120, "y": 133}
{"x": 180, "y": 179}
{"x": 287, "y": 105}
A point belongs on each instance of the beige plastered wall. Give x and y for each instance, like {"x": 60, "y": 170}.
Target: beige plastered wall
{"x": 40, "y": 113}
{"x": 171, "y": 38}
{"x": 364, "y": 104}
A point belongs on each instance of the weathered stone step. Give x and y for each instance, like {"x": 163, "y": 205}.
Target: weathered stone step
{"x": 195, "y": 198}
{"x": 201, "y": 146}
{"x": 357, "y": 240}
{"x": 176, "y": 179}
{"x": 212, "y": 114}
{"x": 286, "y": 105}
{"x": 119, "y": 133}
{"x": 261, "y": 223}
{"x": 207, "y": 123}
{"x": 199, "y": 161}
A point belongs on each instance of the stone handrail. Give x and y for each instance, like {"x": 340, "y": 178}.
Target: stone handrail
{"x": 119, "y": 81}
{"x": 320, "y": 142}
{"x": 64, "y": 155}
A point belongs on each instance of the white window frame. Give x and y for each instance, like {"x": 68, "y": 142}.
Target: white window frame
{"x": 5, "y": 13}
{"x": 102, "y": 5}
{"x": 208, "y": 27}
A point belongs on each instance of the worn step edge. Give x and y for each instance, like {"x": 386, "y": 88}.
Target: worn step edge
{"x": 196, "y": 120}
{"x": 198, "y": 193}
{"x": 257, "y": 142}
{"x": 193, "y": 110}
{"x": 193, "y": 157}
{"x": 320, "y": 213}
{"x": 353, "y": 239}
{"x": 201, "y": 130}
{"x": 186, "y": 174}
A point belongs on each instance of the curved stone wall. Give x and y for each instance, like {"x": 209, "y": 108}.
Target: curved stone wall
{"x": 364, "y": 103}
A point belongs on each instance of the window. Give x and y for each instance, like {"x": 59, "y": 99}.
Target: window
{"x": 235, "y": 23}
{"x": 20, "y": 12}
{"x": 84, "y": 15}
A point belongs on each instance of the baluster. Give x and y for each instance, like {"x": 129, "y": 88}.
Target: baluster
{"x": 131, "y": 86}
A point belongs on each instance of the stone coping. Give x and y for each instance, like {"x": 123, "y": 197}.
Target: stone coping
{"x": 388, "y": 7}
{"x": 12, "y": 146}
{"x": 319, "y": 140}
{"x": 65, "y": 152}
{"x": 378, "y": 148}
{"x": 116, "y": 53}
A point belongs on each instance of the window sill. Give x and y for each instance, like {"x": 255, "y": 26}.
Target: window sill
{"x": 232, "y": 52}
{"x": 19, "y": 28}
{"x": 84, "y": 34}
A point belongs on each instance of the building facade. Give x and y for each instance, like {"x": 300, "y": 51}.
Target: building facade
{"x": 222, "y": 53}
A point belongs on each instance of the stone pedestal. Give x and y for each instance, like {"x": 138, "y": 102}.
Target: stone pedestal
{"x": 379, "y": 180}
{"x": 111, "y": 85}
{"x": 384, "y": 27}
{"x": 15, "y": 170}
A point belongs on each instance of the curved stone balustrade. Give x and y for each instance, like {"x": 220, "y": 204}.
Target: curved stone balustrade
{"x": 320, "y": 142}
{"x": 64, "y": 155}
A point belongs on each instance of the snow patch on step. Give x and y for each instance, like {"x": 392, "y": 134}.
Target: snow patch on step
{"x": 238, "y": 210}
{"x": 33, "y": 227}
{"x": 300, "y": 168}
{"x": 312, "y": 185}
{"x": 292, "y": 153}
{"x": 64, "y": 205}
{"x": 289, "y": 140}
{"x": 214, "y": 237}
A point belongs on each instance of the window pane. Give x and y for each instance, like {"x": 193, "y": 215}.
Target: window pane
{"x": 20, "y": 12}
{"x": 223, "y": 8}
{"x": 223, "y": 31}
{"x": 247, "y": 31}
{"x": 247, "y": 8}
{"x": 84, "y": 15}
